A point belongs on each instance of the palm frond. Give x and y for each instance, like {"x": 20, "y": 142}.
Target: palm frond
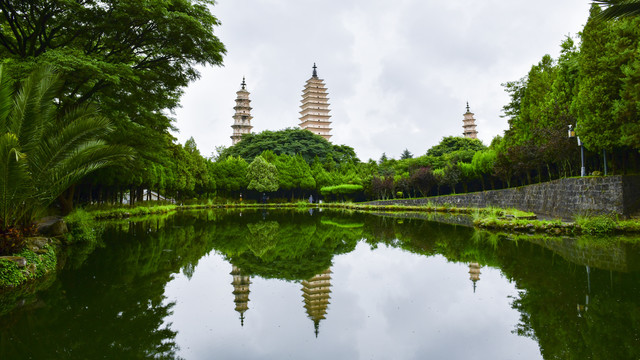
{"x": 63, "y": 142}
{"x": 6, "y": 100}
{"x": 614, "y": 9}
{"x": 34, "y": 105}
{"x": 41, "y": 154}
{"x": 14, "y": 179}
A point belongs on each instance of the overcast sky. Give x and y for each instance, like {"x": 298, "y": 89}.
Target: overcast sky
{"x": 398, "y": 73}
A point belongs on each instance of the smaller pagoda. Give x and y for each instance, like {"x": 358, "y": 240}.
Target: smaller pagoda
{"x": 241, "y": 291}
{"x": 474, "y": 274}
{"x": 469, "y": 125}
{"x": 242, "y": 117}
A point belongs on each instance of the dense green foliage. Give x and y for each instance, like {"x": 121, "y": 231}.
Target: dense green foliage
{"x": 12, "y": 275}
{"x": 596, "y": 225}
{"x": 341, "y": 192}
{"x": 132, "y": 60}
{"x": 262, "y": 176}
{"x": 42, "y": 155}
{"x": 290, "y": 142}
{"x": 592, "y": 88}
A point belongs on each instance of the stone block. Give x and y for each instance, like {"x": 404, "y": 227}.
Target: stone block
{"x": 52, "y": 226}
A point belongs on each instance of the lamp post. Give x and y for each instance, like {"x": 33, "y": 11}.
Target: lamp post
{"x": 572, "y": 134}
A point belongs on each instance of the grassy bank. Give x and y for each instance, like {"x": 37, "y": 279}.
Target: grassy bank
{"x": 583, "y": 225}
{"x": 486, "y": 218}
{"x": 120, "y": 212}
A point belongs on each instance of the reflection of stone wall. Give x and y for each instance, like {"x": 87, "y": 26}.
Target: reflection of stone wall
{"x": 451, "y": 219}
{"x": 564, "y": 197}
{"x": 620, "y": 257}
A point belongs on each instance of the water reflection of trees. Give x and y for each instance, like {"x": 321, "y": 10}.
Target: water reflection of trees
{"x": 296, "y": 247}
{"x": 570, "y": 314}
{"x": 113, "y": 305}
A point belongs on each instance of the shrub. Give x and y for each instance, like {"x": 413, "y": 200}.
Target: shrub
{"x": 82, "y": 227}
{"x": 601, "y": 224}
{"x": 341, "y": 190}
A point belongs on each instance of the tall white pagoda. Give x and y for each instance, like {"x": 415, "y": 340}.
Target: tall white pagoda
{"x": 242, "y": 117}
{"x": 314, "y": 114}
{"x": 469, "y": 125}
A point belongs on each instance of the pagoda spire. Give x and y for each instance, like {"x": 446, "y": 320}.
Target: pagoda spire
{"x": 242, "y": 117}
{"x": 314, "y": 114}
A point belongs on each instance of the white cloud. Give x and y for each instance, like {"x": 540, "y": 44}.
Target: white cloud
{"x": 398, "y": 73}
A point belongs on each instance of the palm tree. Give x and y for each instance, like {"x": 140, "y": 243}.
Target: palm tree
{"x": 43, "y": 153}
{"x": 619, "y": 8}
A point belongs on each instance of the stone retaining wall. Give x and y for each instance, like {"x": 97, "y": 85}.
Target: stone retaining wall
{"x": 559, "y": 198}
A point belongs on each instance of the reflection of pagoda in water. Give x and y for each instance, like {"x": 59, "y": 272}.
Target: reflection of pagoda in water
{"x": 240, "y": 291}
{"x": 316, "y": 297}
{"x": 474, "y": 273}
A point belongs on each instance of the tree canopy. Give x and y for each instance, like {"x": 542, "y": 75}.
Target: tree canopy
{"x": 450, "y": 144}
{"x": 130, "y": 58}
{"x": 262, "y": 176}
{"x": 290, "y": 142}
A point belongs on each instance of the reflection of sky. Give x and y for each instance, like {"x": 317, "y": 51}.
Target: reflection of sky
{"x": 385, "y": 304}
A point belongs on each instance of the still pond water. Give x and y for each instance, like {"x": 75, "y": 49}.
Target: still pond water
{"x": 327, "y": 285}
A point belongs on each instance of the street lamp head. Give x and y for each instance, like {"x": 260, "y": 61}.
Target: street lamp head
{"x": 572, "y": 132}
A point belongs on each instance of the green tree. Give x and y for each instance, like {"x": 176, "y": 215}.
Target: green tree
{"x": 608, "y": 94}
{"x": 131, "y": 58}
{"x": 230, "y": 174}
{"x": 320, "y": 175}
{"x": 452, "y": 176}
{"x": 262, "y": 176}
{"x": 423, "y": 180}
{"x": 290, "y": 142}
{"x": 293, "y": 172}
{"x": 306, "y": 180}
{"x": 341, "y": 191}
{"x": 539, "y": 113}
{"x": 406, "y": 154}
{"x": 450, "y": 144}
{"x": 483, "y": 163}
{"x": 598, "y": 87}
{"x": 43, "y": 155}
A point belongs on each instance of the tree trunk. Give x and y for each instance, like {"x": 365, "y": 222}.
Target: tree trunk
{"x": 66, "y": 200}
